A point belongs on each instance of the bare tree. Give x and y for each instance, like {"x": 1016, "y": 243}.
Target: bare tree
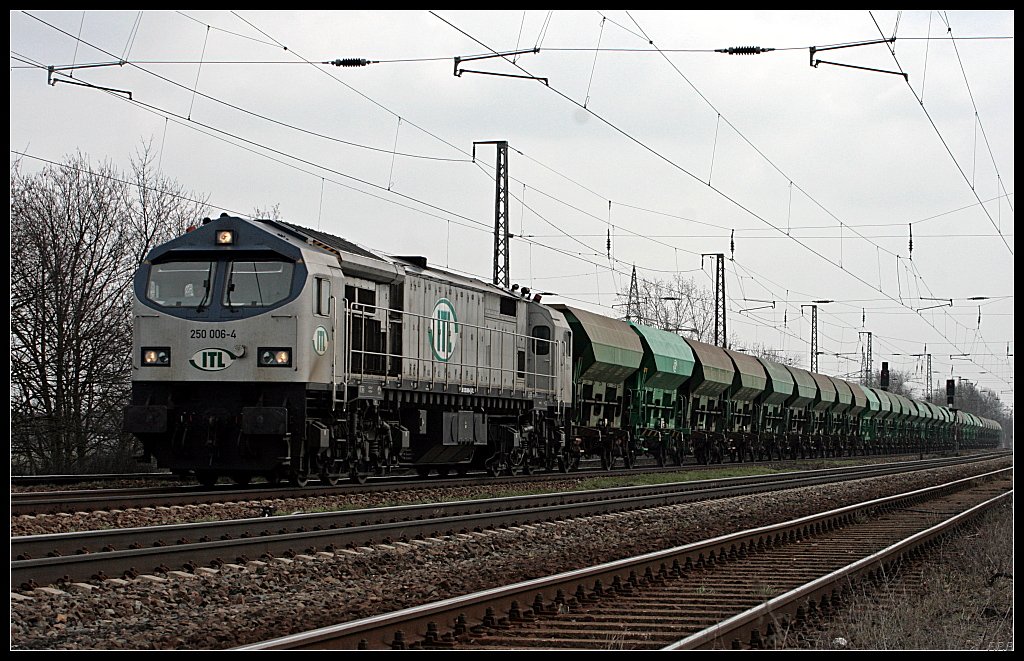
{"x": 676, "y": 304}
{"x": 78, "y": 232}
{"x": 775, "y": 355}
{"x": 272, "y": 212}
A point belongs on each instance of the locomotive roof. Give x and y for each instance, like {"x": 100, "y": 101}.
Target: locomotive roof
{"x": 330, "y": 240}
{"x": 415, "y": 265}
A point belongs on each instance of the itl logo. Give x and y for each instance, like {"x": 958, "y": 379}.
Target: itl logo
{"x": 443, "y": 330}
{"x": 320, "y": 338}
{"x": 212, "y": 360}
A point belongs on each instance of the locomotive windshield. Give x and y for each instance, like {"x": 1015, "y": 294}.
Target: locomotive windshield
{"x": 180, "y": 284}
{"x": 257, "y": 284}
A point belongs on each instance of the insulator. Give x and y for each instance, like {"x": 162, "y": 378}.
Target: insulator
{"x": 744, "y": 50}
{"x": 350, "y": 62}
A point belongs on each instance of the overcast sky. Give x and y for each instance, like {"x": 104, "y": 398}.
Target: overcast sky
{"x": 641, "y": 129}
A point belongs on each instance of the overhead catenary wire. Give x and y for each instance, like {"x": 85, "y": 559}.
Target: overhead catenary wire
{"x": 284, "y": 153}
{"x": 943, "y": 140}
{"x": 974, "y": 104}
{"x": 261, "y": 116}
{"x": 474, "y": 224}
{"x": 616, "y": 202}
{"x": 684, "y": 170}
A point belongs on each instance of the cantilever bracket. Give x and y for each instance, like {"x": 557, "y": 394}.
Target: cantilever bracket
{"x": 816, "y": 49}
{"x": 469, "y": 58}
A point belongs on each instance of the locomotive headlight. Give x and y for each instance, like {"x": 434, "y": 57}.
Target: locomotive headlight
{"x": 156, "y": 356}
{"x": 225, "y": 237}
{"x": 275, "y": 356}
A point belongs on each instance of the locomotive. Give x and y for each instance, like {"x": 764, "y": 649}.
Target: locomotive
{"x": 261, "y": 348}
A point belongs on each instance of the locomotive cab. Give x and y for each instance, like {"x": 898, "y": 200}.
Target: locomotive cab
{"x": 220, "y": 370}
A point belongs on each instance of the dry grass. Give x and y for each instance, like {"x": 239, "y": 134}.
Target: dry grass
{"x": 960, "y": 597}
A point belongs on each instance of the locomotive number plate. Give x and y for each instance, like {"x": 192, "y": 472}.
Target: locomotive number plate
{"x": 211, "y": 333}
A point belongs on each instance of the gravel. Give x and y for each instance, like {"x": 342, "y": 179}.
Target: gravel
{"x": 236, "y": 606}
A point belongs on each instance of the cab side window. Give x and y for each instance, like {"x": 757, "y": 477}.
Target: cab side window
{"x": 541, "y": 345}
{"x": 322, "y": 302}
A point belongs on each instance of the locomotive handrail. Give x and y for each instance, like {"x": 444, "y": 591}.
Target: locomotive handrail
{"x": 549, "y": 380}
{"x": 334, "y": 353}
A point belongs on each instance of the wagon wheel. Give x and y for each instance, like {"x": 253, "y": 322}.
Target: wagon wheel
{"x": 423, "y": 471}
{"x": 607, "y": 459}
{"x": 299, "y": 478}
{"x": 241, "y": 479}
{"x": 496, "y": 465}
{"x": 328, "y": 478}
{"x": 511, "y": 461}
{"x": 443, "y": 471}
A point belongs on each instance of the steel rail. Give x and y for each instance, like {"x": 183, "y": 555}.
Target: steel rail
{"x": 764, "y": 622}
{"x": 35, "y": 502}
{"x": 42, "y": 559}
{"x": 388, "y": 630}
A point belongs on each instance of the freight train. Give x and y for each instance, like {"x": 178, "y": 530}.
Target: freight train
{"x": 265, "y": 349}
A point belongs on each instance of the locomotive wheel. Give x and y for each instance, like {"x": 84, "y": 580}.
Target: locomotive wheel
{"x": 361, "y": 469}
{"x": 518, "y": 461}
{"x": 207, "y": 478}
{"x": 423, "y": 471}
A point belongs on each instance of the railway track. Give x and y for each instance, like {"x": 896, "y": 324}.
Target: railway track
{"x": 53, "y": 502}
{"x": 67, "y": 557}
{"x": 751, "y": 589}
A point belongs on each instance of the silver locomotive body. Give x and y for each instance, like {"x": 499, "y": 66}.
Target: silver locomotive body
{"x": 262, "y": 348}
